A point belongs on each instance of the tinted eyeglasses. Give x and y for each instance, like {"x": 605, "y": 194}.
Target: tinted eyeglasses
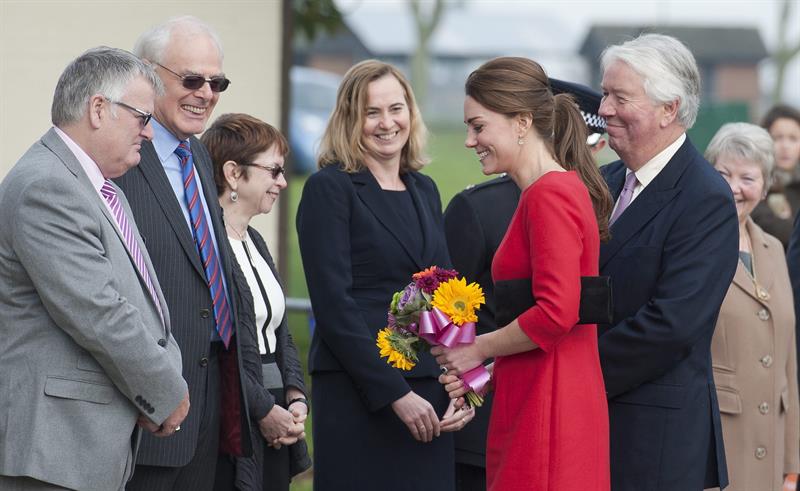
{"x": 194, "y": 82}
{"x": 274, "y": 170}
{"x": 143, "y": 116}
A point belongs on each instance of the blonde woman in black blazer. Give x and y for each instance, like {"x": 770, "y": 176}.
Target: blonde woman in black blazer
{"x": 367, "y": 221}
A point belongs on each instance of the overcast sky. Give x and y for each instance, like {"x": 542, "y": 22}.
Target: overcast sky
{"x": 576, "y": 16}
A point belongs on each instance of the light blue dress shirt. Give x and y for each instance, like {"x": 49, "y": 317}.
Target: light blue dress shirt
{"x": 165, "y": 144}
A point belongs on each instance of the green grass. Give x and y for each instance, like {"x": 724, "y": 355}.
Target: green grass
{"x": 452, "y": 166}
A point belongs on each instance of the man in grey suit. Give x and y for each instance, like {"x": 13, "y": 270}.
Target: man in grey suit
{"x": 173, "y": 198}
{"x": 85, "y": 344}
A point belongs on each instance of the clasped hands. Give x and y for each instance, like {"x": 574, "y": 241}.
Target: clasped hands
{"x": 284, "y": 426}
{"x": 421, "y": 420}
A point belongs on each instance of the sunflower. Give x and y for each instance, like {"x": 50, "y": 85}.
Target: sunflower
{"x": 459, "y": 300}
{"x": 396, "y": 349}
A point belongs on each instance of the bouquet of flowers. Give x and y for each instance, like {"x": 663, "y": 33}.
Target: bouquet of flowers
{"x": 436, "y": 308}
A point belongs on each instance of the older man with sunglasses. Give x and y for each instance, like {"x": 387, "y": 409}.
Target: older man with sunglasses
{"x": 173, "y": 198}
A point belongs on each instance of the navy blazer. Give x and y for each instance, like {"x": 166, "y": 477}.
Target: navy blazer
{"x": 671, "y": 258}
{"x": 793, "y": 262}
{"x": 354, "y": 260}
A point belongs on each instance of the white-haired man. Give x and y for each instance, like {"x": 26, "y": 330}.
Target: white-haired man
{"x": 671, "y": 258}
{"x": 86, "y": 347}
{"x": 173, "y": 197}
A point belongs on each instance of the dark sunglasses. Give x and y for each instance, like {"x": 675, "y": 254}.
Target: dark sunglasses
{"x": 143, "y": 116}
{"x": 275, "y": 170}
{"x": 194, "y": 82}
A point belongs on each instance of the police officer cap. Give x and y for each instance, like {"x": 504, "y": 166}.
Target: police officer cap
{"x": 588, "y": 102}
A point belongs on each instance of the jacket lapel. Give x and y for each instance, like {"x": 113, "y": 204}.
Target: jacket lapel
{"x": 663, "y": 189}
{"x": 153, "y": 172}
{"x": 372, "y": 195}
{"x": 58, "y": 147}
{"x": 426, "y": 219}
{"x": 761, "y": 256}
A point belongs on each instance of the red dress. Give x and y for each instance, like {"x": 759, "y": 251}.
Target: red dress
{"x": 549, "y": 422}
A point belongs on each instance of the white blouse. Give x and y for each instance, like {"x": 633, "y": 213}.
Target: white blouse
{"x": 268, "y": 314}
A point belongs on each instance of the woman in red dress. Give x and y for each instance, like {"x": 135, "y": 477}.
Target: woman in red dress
{"x": 549, "y": 423}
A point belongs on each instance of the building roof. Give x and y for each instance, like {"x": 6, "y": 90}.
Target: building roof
{"x": 708, "y": 44}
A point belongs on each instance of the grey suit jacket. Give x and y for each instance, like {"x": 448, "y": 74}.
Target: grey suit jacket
{"x": 83, "y": 350}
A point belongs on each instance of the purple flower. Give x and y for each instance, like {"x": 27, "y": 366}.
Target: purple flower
{"x": 428, "y": 283}
{"x": 392, "y": 322}
{"x": 410, "y": 293}
{"x": 443, "y": 275}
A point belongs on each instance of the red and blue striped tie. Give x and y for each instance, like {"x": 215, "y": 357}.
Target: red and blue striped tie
{"x": 202, "y": 237}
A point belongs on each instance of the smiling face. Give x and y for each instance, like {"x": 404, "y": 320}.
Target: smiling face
{"x": 121, "y": 134}
{"x": 387, "y": 121}
{"x": 185, "y": 112}
{"x": 635, "y": 124}
{"x": 785, "y": 132}
{"x": 746, "y": 180}
{"x": 492, "y": 135}
{"x": 258, "y": 193}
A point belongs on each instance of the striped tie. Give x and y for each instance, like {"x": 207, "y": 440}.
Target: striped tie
{"x": 110, "y": 194}
{"x": 202, "y": 237}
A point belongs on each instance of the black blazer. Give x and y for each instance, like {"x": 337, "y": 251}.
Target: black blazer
{"x": 260, "y": 400}
{"x": 671, "y": 258}
{"x": 178, "y": 266}
{"x": 354, "y": 261}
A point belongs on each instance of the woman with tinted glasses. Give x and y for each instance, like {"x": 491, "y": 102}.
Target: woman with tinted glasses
{"x": 753, "y": 349}
{"x": 248, "y": 156}
{"x": 367, "y": 221}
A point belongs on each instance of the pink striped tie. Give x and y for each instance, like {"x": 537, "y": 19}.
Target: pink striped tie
{"x": 110, "y": 194}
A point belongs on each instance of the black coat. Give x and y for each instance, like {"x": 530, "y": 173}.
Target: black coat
{"x": 475, "y": 223}
{"x": 355, "y": 258}
{"x": 249, "y": 475}
{"x": 671, "y": 259}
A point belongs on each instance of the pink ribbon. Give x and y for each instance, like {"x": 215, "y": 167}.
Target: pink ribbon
{"x": 437, "y": 328}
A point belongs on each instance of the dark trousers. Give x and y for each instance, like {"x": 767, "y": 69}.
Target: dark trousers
{"x": 198, "y": 474}
{"x": 470, "y": 478}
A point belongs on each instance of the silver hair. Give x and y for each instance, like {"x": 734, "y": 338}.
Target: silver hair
{"x": 152, "y": 43}
{"x": 747, "y": 141}
{"x": 668, "y": 68}
{"x": 99, "y": 71}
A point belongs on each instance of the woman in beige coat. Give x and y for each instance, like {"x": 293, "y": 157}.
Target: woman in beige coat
{"x": 753, "y": 351}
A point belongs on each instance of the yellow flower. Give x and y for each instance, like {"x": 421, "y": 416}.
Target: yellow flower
{"x": 459, "y": 300}
{"x": 395, "y": 357}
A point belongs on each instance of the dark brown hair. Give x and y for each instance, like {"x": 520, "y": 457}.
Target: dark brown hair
{"x": 239, "y": 137}
{"x": 513, "y": 86}
{"x": 781, "y": 111}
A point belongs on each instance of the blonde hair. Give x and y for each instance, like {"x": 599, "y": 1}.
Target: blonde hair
{"x": 342, "y": 145}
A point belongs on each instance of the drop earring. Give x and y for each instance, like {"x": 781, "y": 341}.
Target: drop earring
{"x": 520, "y": 141}
{"x": 234, "y": 196}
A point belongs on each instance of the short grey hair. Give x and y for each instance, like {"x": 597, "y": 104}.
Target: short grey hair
{"x": 668, "y": 68}
{"x": 99, "y": 71}
{"x": 747, "y": 141}
{"x": 152, "y": 43}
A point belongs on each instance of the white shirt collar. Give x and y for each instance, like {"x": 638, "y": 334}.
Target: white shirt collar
{"x": 654, "y": 166}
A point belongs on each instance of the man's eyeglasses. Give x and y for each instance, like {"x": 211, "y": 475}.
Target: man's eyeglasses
{"x": 275, "y": 170}
{"x": 143, "y": 116}
{"x": 194, "y": 82}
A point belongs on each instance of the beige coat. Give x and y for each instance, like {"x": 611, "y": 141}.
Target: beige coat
{"x": 755, "y": 370}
